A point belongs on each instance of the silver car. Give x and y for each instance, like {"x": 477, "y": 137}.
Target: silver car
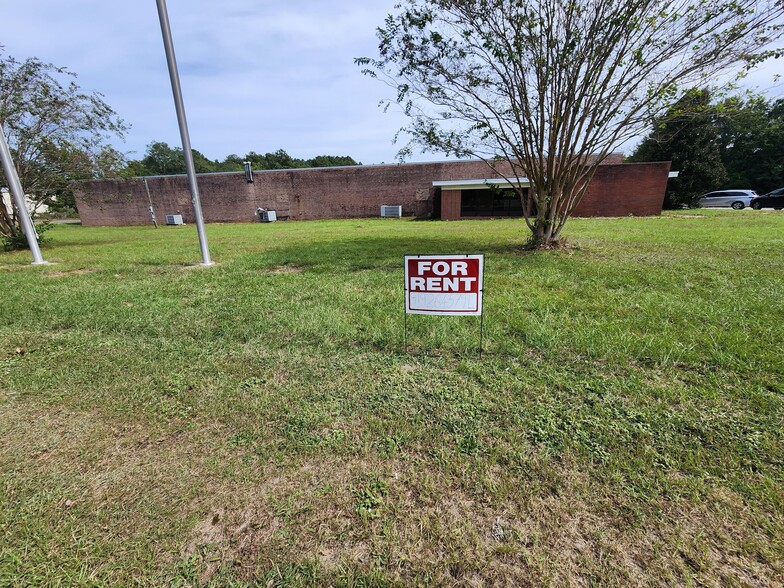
{"x": 737, "y": 199}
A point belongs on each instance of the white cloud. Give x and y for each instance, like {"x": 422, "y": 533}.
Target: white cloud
{"x": 255, "y": 75}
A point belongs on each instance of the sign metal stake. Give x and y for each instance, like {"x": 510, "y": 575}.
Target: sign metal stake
{"x": 405, "y": 330}
{"x": 481, "y": 332}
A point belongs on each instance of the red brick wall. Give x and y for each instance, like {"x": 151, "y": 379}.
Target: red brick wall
{"x": 345, "y": 192}
{"x": 450, "y": 204}
{"x": 625, "y": 189}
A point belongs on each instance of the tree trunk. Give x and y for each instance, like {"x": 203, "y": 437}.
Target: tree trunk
{"x": 542, "y": 234}
{"x": 544, "y": 228}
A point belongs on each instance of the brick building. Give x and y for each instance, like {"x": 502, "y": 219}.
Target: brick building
{"x": 448, "y": 190}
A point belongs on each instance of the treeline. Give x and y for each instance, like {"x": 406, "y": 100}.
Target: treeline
{"x": 731, "y": 143}
{"x": 160, "y": 160}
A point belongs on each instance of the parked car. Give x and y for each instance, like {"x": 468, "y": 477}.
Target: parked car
{"x": 773, "y": 199}
{"x": 737, "y": 199}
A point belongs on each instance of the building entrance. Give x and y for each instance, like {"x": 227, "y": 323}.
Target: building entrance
{"x": 495, "y": 203}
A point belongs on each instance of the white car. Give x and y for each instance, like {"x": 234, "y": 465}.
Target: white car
{"x": 737, "y": 199}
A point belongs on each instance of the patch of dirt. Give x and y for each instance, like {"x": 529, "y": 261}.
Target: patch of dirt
{"x": 546, "y": 522}
{"x": 220, "y": 538}
{"x": 561, "y": 245}
{"x": 191, "y": 266}
{"x": 287, "y": 516}
{"x": 712, "y": 538}
{"x": 75, "y": 272}
{"x": 451, "y": 530}
{"x": 424, "y": 524}
{"x": 287, "y": 268}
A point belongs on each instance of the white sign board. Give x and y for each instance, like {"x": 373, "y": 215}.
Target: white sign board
{"x": 444, "y": 284}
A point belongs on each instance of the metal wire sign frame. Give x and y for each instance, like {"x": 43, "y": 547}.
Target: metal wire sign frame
{"x": 446, "y": 285}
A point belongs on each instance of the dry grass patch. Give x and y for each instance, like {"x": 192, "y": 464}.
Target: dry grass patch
{"x": 424, "y": 528}
{"x": 66, "y": 273}
{"x": 287, "y": 268}
{"x": 182, "y": 499}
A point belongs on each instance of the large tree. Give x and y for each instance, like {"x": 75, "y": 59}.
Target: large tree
{"x": 736, "y": 142}
{"x": 687, "y": 135}
{"x": 552, "y": 87}
{"x": 751, "y": 142}
{"x": 55, "y": 130}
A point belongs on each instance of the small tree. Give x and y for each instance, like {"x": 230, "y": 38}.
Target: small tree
{"x": 552, "y": 87}
{"x": 56, "y": 133}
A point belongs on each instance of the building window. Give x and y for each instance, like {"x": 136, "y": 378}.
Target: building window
{"x": 491, "y": 203}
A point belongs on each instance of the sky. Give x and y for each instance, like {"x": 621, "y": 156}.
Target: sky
{"x": 256, "y": 75}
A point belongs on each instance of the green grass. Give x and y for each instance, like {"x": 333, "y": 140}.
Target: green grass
{"x": 259, "y": 423}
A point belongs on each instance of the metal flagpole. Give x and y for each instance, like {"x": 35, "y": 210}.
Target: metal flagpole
{"x": 17, "y": 192}
{"x": 174, "y": 75}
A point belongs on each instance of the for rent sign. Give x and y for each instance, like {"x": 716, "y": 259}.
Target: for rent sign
{"x": 444, "y": 284}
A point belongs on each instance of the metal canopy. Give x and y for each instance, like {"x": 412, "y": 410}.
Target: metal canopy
{"x": 485, "y": 184}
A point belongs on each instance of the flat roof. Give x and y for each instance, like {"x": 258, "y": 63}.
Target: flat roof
{"x": 485, "y": 184}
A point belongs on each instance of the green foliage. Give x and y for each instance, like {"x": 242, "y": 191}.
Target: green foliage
{"x": 331, "y": 161}
{"x": 17, "y": 241}
{"x": 277, "y": 160}
{"x": 737, "y": 142}
{"x": 57, "y": 133}
{"x": 687, "y": 135}
{"x": 161, "y": 159}
{"x": 751, "y": 142}
{"x": 369, "y": 499}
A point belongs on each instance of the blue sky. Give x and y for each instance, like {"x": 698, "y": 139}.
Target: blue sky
{"x": 256, "y": 75}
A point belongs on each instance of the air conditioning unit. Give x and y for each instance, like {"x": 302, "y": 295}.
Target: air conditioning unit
{"x": 388, "y": 211}
{"x": 174, "y": 219}
{"x": 266, "y": 216}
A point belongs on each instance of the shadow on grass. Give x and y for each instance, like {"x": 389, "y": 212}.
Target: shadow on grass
{"x": 376, "y": 253}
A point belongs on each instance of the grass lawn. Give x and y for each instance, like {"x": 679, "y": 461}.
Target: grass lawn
{"x": 259, "y": 423}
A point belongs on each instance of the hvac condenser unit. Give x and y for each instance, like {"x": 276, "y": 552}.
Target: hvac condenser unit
{"x": 391, "y": 211}
{"x": 174, "y": 219}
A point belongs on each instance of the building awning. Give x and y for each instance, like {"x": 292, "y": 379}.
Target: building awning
{"x": 481, "y": 184}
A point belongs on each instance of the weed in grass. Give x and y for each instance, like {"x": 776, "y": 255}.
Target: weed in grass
{"x": 242, "y": 438}
{"x": 369, "y": 498}
{"x": 390, "y": 444}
